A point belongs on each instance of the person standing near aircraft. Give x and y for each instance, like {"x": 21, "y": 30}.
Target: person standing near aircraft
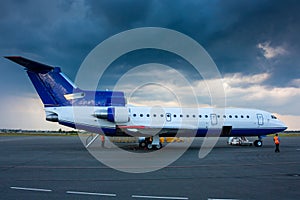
{"x": 277, "y": 142}
{"x": 102, "y": 141}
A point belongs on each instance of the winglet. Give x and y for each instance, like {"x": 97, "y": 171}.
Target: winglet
{"x": 30, "y": 64}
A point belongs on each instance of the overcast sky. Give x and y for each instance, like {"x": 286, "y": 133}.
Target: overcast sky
{"x": 255, "y": 45}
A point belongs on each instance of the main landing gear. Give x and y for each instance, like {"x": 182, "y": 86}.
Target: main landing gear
{"x": 150, "y": 142}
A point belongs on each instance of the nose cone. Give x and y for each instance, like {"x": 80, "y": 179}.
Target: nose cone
{"x": 282, "y": 126}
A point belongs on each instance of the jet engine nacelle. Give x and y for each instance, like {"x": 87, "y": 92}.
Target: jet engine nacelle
{"x": 52, "y": 117}
{"x": 113, "y": 114}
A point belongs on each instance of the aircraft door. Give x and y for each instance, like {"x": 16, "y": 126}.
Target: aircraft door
{"x": 168, "y": 117}
{"x": 260, "y": 119}
{"x": 213, "y": 119}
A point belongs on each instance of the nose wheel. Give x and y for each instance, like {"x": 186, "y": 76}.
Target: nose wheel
{"x": 258, "y": 143}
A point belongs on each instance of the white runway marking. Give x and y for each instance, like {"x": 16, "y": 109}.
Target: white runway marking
{"x": 158, "y": 197}
{"x": 220, "y": 199}
{"x": 91, "y": 193}
{"x": 31, "y": 189}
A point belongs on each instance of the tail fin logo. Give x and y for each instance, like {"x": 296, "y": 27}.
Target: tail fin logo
{"x": 74, "y": 96}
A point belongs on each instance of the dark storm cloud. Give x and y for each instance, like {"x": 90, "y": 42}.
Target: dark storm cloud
{"x": 63, "y": 32}
{"x": 50, "y": 31}
{"x": 271, "y": 21}
{"x": 229, "y": 30}
{"x": 120, "y": 14}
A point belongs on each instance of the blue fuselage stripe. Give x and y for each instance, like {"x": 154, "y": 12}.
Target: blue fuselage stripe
{"x": 201, "y": 132}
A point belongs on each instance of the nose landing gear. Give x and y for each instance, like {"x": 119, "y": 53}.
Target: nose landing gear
{"x": 258, "y": 143}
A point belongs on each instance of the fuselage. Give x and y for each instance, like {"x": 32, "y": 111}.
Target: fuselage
{"x": 198, "y": 122}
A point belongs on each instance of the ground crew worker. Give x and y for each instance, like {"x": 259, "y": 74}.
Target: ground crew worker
{"x": 102, "y": 140}
{"x": 277, "y": 142}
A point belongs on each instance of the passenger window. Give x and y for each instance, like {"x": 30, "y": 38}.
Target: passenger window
{"x": 206, "y": 116}
{"x": 200, "y": 116}
{"x": 161, "y": 115}
{"x": 134, "y": 115}
{"x": 187, "y": 116}
{"x": 154, "y": 115}
{"x": 174, "y": 115}
{"x": 141, "y": 115}
{"x": 242, "y": 116}
{"x": 180, "y": 115}
{"x": 148, "y": 115}
{"x": 236, "y": 116}
{"x": 194, "y": 116}
{"x": 230, "y": 116}
{"x": 224, "y": 116}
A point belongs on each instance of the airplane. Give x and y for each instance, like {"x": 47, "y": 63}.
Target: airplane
{"x": 107, "y": 112}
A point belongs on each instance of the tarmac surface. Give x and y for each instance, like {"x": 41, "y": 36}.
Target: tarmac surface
{"x": 57, "y": 167}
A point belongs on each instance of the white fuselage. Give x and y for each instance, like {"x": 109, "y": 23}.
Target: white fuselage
{"x": 194, "y": 121}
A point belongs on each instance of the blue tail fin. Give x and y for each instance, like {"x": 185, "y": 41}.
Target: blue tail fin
{"x": 50, "y": 83}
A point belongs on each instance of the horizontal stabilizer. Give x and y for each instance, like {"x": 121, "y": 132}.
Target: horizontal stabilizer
{"x": 29, "y": 64}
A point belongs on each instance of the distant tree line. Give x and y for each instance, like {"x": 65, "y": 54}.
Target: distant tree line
{"x": 36, "y": 131}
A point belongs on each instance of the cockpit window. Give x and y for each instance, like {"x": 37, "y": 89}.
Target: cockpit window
{"x": 273, "y": 117}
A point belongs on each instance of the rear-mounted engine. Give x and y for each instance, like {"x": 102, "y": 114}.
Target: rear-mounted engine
{"x": 52, "y": 117}
{"x": 113, "y": 114}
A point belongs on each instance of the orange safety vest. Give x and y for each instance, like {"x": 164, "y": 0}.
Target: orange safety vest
{"x": 276, "y": 140}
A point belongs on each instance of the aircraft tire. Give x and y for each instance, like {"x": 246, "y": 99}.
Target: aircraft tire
{"x": 149, "y": 146}
{"x": 159, "y": 146}
{"x": 142, "y": 144}
{"x": 258, "y": 143}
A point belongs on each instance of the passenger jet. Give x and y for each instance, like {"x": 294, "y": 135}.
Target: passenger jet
{"x": 106, "y": 112}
